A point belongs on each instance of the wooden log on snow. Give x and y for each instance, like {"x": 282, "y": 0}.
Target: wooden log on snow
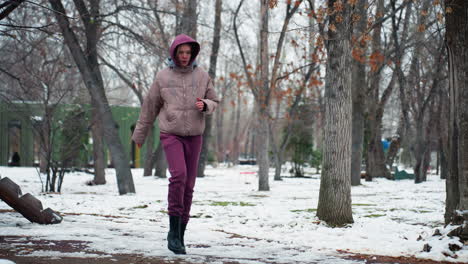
{"x": 27, "y": 205}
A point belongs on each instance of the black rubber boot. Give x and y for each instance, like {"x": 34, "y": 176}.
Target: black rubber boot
{"x": 173, "y": 237}
{"x": 182, "y": 233}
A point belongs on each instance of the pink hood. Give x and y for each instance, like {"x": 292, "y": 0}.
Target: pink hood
{"x": 184, "y": 39}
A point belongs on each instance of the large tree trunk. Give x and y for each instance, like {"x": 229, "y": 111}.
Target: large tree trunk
{"x": 98, "y": 150}
{"x": 89, "y": 68}
{"x": 334, "y": 206}
{"x": 262, "y": 147}
{"x": 358, "y": 89}
{"x": 457, "y": 49}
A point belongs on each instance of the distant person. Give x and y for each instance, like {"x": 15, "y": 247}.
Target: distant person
{"x": 226, "y": 156}
{"x": 15, "y": 159}
{"x": 181, "y": 95}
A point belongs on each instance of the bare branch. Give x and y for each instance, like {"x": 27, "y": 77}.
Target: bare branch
{"x": 296, "y": 70}
{"x": 27, "y": 27}
{"x": 9, "y": 6}
{"x": 10, "y": 75}
{"x": 126, "y": 80}
{"x": 248, "y": 76}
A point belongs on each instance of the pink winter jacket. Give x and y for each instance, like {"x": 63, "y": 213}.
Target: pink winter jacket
{"x": 173, "y": 95}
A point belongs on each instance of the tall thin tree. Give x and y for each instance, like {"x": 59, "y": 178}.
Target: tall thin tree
{"x": 212, "y": 73}
{"x": 358, "y": 95}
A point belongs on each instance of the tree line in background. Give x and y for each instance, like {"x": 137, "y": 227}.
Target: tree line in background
{"x": 299, "y": 80}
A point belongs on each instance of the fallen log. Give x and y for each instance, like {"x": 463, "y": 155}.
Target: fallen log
{"x": 27, "y": 205}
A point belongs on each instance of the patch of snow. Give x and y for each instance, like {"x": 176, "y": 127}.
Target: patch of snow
{"x": 6, "y": 261}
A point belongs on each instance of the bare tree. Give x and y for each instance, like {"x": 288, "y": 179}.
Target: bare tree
{"x": 87, "y": 62}
{"x": 264, "y": 86}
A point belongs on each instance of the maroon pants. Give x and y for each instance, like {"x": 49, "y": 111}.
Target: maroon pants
{"x": 182, "y": 154}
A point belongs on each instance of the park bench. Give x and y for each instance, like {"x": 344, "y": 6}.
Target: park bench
{"x": 402, "y": 175}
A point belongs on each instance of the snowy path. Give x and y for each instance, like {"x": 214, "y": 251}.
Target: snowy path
{"x": 231, "y": 220}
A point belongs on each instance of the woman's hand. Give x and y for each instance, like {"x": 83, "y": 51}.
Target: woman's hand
{"x": 200, "y": 104}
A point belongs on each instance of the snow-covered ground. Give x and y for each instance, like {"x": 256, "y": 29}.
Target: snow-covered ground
{"x": 232, "y": 219}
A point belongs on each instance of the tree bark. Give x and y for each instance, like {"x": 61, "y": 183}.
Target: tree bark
{"x": 456, "y": 36}
{"x": 160, "y": 162}
{"x": 262, "y": 102}
{"x": 212, "y": 73}
{"x": 8, "y": 7}
{"x": 334, "y": 205}
{"x": 98, "y": 150}
{"x": 188, "y": 22}
{"x": 262, "y": 146}
{"x": 219, "y": 132}
{"x": 149, "y": 163}
{"x": 358, "y": 89}
{"x": 236, "y": 142}
{"x": 89, "y": 69}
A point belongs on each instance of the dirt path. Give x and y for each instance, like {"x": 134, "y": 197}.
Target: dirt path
{"x": 17, "y": 249}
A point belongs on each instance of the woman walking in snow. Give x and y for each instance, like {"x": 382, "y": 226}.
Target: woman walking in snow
{"x": 181, "y": 95}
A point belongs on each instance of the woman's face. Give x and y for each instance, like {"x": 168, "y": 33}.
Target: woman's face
{"x": 184, "y": 52}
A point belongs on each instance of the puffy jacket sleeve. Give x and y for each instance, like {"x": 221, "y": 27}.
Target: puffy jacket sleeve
{"x": 210, "y": 98}
{"x": 149, "y": 111}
